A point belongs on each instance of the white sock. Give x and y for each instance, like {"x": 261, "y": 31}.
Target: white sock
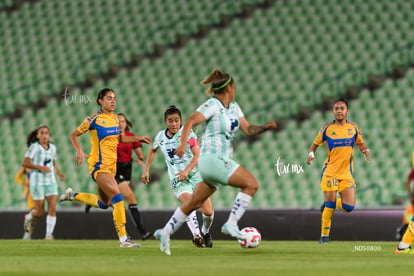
{"x": 192, "y": 223}
{"x": 207, "y": 222}
{"x": 50, "y": 225}
{"x": 239, "y": 207}
{"x": 29, "y": 216}
{"x": 403, "y": 245}
{"x": 123, "y": 238}
{"x": 175, "y": 222}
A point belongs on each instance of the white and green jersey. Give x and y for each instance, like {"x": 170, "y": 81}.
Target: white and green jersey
{"x": 168, "y": 145}
{"x": 219, "y": 128}
{"x": 42, "y": 157}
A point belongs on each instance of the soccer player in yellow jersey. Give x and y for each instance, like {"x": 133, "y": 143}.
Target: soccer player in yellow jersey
{"x": 22, "y": 177}
{"x": 340, "y": 136}
{"x": 103, "y": 128}
{"x": 407, "y": 239}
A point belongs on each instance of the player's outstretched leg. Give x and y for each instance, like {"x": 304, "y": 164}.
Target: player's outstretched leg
{"x": 405, "y": 245}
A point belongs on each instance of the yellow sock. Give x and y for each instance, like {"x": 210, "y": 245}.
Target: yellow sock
{"x": 339, "y": 205}
{"x": 408, "y": 237}
{"x": 90, "y": 199}
{"x": 326, "y": 221}
{"x": 119, "y": 218}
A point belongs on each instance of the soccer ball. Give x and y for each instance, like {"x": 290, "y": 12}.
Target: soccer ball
{"x": 253, "y": 237}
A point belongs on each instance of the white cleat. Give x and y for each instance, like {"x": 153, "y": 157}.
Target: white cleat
{"x": 27, "y": 236}
{"x": 232, "y": 230}
{"x": 164, "y": 241}
{"x": 49, "y": 237}
{"x": 128, "y": 243}
{"x": 67, "y": 195}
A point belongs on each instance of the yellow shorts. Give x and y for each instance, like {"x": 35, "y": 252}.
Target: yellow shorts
{"x": 98, "y": 168}
{"x": 329, "y": 184}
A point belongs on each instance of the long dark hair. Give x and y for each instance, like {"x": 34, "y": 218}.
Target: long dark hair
{"x": 129, "y": 124}
{"x": 32, "y": 137}
{"x": 172, "y": 109}
{"x": 102, "y": 94}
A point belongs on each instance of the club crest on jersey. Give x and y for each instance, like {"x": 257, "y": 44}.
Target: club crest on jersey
{"x": 349, "y": 131}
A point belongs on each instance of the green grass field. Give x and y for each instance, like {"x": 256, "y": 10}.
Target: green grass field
{"x": 97, "y": 257}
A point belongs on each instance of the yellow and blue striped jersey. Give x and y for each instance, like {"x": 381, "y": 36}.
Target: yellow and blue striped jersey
{"x": 104, "y": 132}
{"x": 340, "y": 141}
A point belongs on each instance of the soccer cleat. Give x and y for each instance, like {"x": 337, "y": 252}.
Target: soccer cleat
{"x": 164, "y": 241}
{"x": 324, "y": 240}
{"x": 198, "y": 241}
{"x": 208, "y": 240}
{"x": 146, "y": 235}
{"x": 128, "y": 243}
{"x": 49, "y": 237}
{"x": 67, "y": 195}
{"x": 87, "y": 208}
{"x": 232, "y": 230}
{"x": 407, "y": 250}
{"x": 27, "y": 236}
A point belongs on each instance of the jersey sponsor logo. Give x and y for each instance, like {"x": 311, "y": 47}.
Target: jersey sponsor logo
{"x": 171, "y": 154}
{"x": 47, "y": 161}
{"x": 234, "y": 124}
{"x": 348, "y": 142}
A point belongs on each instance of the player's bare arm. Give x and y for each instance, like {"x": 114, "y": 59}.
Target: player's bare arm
{"x": 150, "y": 159}
{"x": 194, "y": 120}
{"x": 252, "y": 130}
{"x": 363, "y": 148}
{"x": 311, "y": 155}
{"x": 80, "y": 155}
{"x": 131, "y": 139}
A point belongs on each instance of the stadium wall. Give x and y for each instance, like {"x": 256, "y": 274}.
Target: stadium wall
{"x": 370, "y": 225}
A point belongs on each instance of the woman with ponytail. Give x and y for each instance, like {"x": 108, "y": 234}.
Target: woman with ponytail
{"x": 221, "y": 117}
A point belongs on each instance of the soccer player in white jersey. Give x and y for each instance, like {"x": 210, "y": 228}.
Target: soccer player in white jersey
{"x": 183, "y": 172}
{"x": 221, "y": 117}
{"x": 40, "y": 159}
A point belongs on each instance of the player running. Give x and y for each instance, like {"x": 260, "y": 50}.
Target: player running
{"x": 183, "y": 172}
{"x": 103, "y": 127}
{"x": 222, "y": 117}
{"x": 337, "y": 173}
{"x": 40, "y": 158}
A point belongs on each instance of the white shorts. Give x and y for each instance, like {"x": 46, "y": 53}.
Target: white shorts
{"x": 40, "y": 192}
{"x": 186, "y": 186}
{"x": 216, "y": 169}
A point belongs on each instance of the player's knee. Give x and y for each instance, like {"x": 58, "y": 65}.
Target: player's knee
{"x": 330, "y": 204}
{"x": 347, "y": 208}
{"x": 251, "y": 188}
